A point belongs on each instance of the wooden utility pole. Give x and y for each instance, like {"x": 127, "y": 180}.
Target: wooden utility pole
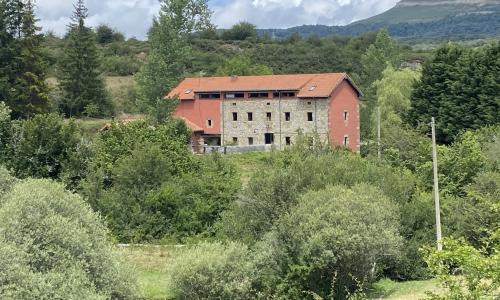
{"x": 378, "y": 133}
{"x": 436, "y": 186}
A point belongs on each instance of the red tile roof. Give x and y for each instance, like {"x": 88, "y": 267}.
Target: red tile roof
{"x": 307, "y": 85}
{"x": 194, "y": 127}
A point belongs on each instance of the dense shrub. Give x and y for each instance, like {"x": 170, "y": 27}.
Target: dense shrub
{"x": 40, "y": 146}
{"x": 120, "y": 65}
{"x": 213, "y": 271}
{"x": 6, "y": 181}
{"x": 273, "y": 191}
{"x": 330, "y": 242}
{"x": 52, "y": 246}
{"x": 150, "y": 187}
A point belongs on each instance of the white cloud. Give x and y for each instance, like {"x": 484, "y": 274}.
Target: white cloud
{"x": 133, "y": 17}
{"x": 287, "y": 13}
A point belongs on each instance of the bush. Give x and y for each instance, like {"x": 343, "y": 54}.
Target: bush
{"x": 120, "y": 65}
{"x": 273, "y": 191}
{"x": 6, "y": 181}
{"x": 464, "y": 271}
{"x": 40, "y": 146}
{"x": 52, "y": 246}
{"x": 213, "y": 271}
{"x": 330, "y": 242}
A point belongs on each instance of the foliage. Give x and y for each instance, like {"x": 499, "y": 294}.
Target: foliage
{"x": 120, "y": 65}
{"x": 242, "y": 66}
{"x": 273, "y": 191}
{"x": 382, "y": 54}
{"x": 213, "y": 271}
{"x": 148, "y": 185}
{"x": 80, "y": 69}
{"x": 6, "y": 182}
{"x": 5, "y": 129}
{"x": 393, "y": 93}
{"x": 478, "y": 210}
{"x": 53, "y": 246}
{"x": 22, "y": 66}
{"x": 106, "y": 35}
{"x": 465, "y": 272}
{"x": 170, "y": 50}
{"x": 459, "y": 88}
{"x": 240, "y": 31}
{"x": 40, "y": 146}
{"x": 332, "y": 240}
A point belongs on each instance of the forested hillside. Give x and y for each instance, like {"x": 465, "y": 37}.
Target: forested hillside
{"x": 418, "y": 21}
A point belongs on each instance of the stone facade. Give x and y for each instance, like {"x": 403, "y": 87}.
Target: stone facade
{"x": 306, "y": 115}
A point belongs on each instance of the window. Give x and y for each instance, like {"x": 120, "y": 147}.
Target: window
{"x": 288, "y": 141}
{"x": 234, "y": 103}
{"x": 235, "y": 140}
{"x": 269, "y": 116}
{"x": 310, "y": 117}
{"x": 269, "y": 138}
{"x": 346, "y": 140}
{"x": 209, "y": 96}
{"x": 250, "y": 116}
{"x": 268, "y": 103}
{"x": 309, "y": 103}
{"x": 250, "y": 141}
{"x": 234, "y": 95}
{"x": 258, "y": 95}
{"x": 346, "y": 115}
{"x": 235, "y": 116}
{"x": 209, "y": 123}
{"x": 288, "y": 94}
{"x": 287, "y": 116}
{"x": 284, "y": 94}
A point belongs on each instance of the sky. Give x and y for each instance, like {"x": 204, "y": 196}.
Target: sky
{"x": 133, "y": 17}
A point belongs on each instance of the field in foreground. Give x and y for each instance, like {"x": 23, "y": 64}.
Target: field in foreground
{"x": 153, "y": 264}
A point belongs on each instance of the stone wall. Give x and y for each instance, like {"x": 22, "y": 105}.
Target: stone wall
{"x": 243, "y": 129}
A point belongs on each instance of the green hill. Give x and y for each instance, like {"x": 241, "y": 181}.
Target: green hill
{"x": 417, "y": 11}
{"x": 419, "y": 20}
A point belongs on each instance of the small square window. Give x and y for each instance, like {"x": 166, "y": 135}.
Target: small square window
{"x": 269, "y": 116}
{"x": 234, "y": 103}
{"x": 309, "y": 103}
{"x": 250, "y": 116}
{"x": 209, "y": 123}
{"x": 250, "y": 141}
{"x": 310, "y": 117}
{"x": 288, "y": 141}
{"x": 287, "y": 116}
{"x": 235, "y": 116}
{"x": 235, "y": 140}
{"x": 268, "y": 103}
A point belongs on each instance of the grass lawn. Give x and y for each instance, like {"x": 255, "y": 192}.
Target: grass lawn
{"x": 409, "y": 290}
{"x": 249, "y": 163}
{"x": 153, "y": 264}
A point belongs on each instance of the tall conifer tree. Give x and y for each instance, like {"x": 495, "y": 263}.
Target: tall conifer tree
{"x": 22, "y": 83}
{"x": 80, "y": 77}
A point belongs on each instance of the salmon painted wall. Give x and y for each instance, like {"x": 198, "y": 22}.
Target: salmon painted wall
{"x": 199, "y": 111}
{"x": 344, "y": 99}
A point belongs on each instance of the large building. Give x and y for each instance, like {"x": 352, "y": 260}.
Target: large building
{"x": 259, "y": 110}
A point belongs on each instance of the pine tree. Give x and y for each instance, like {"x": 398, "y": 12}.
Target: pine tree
{"x": 459, "y": 87}
{"x": 33, "y": 89}
{"x": 23, "y": 86}
{"x": 80, "y": 77}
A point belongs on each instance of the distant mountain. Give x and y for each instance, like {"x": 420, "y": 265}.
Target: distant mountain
{"x": 418, "y": 20}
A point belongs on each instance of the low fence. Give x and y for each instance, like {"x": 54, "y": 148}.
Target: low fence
{"x": 237, "y": 149}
